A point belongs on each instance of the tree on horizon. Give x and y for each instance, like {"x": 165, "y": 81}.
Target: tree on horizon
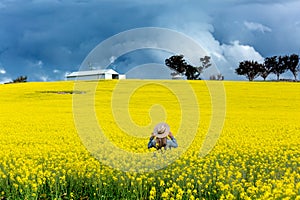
{"x": 269, "y": 64}
{"x": 250, "y": 69}
{"x": 205, "y": 63}
{"x": 20, "y": 79}
{"x": 292, "y": 64}
{"x": 280, "y": 67}
{"x": 178, "y": 64}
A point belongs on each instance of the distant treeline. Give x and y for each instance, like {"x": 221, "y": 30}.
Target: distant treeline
{"x": 20, "y": 79}
{"x": 272, "y": 65}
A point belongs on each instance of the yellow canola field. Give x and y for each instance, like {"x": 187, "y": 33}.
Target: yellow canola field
{"x": 48, "y": 150}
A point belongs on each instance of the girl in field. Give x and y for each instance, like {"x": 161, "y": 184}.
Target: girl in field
{"x": 162, "y": 137}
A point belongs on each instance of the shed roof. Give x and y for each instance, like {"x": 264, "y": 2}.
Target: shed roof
{"x": 92, "y": 72}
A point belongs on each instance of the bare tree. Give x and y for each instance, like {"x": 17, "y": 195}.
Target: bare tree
{"x": 205, "y": 63}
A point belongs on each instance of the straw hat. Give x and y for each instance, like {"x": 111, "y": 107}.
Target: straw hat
{"x": 161, "y": 130}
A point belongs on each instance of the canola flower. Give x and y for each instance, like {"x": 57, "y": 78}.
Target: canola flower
{"x": 256, "y": 157}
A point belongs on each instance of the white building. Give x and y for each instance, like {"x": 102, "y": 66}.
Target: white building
{"x": 95, "y": 75}
{"x": 176, "y": 76}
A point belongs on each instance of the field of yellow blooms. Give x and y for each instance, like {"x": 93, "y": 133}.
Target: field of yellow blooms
{"x": 47, "y": 152}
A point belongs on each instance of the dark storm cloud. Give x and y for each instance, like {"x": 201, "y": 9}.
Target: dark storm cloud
{"x": 45, "y": 39}
{"x": 60, "y": 34}
{"x": 276, "y": 18}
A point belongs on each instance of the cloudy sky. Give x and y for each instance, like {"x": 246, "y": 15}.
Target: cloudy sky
{"x": 45, "y": 39}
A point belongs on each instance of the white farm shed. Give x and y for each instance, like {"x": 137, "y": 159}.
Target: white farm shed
{"x": 95, "y": 75}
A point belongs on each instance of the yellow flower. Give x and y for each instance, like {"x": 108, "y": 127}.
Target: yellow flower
{"x": 256, "y": 154}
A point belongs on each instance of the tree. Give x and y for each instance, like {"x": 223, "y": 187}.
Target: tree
{"x": 220, "y": 77}
{"x": 279, "y": 67}
{"x": 180, "y": 66}
{"x": 212, "y": 77}
{"x": 291, "y": 63}
{"x": 176, "y": 63}
{"x": 269, "y": 64}
{"x": 20, "y": 79}
{"x": 265, "y": 71}
{"x": 192, "y": 73}
{"x": 250, "y": 69}
{"x": 205, "y": 63}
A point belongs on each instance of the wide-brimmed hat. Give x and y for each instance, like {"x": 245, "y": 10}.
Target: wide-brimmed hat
{"x": 161, "y": 130}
